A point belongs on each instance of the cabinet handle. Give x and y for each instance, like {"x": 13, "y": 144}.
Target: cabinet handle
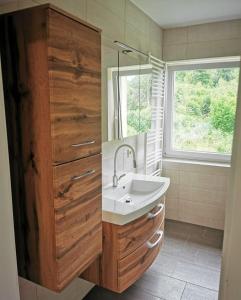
{"x": 83, "y": 144}
{"x": 151, "y": 245}
{"x": 88, "y": 173}
{"x": 152, "y": 216}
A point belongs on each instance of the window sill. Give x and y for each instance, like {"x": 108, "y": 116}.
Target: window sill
{"x": 197, "y": 162}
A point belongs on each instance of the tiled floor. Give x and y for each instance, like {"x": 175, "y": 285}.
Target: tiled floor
{"x": 188, "y": 268}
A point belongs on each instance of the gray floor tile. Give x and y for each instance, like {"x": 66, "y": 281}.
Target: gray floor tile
{"x": 193, "y": 292}
{"x": 188, "y": 266}
{"x": 164, "y": 264}
{"x": 199, "y": 275}
{"x": 130, "y": 294}
{"x": 209, "y": 257}
{"x": 179, "y": 248}
{"x": 162, "y": 286}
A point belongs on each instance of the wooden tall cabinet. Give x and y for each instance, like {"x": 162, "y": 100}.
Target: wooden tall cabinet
{"x": 51, "y": 64}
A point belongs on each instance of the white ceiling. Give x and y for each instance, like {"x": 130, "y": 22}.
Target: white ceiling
{"x": 175, "y": 13}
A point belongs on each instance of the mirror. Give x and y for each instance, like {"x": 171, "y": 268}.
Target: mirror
{"x": 129, "y": 95}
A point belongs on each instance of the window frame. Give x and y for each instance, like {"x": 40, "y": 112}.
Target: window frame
{"x": 169, "y": 152}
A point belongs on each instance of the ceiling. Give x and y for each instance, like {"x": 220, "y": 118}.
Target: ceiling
{"x": 175, "y": 13}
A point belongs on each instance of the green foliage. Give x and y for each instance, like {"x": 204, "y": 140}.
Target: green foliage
{"x": 138, "y": 99}
{"x": 223, "y": 114}
{"x": 205, "y": 104}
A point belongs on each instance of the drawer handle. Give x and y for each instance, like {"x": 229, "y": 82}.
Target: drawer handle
{"x": 88, "y": 173}
{"x": 83, "y": 144}
{"x": 152, "y": 216}
{"x": 151, "y": 245}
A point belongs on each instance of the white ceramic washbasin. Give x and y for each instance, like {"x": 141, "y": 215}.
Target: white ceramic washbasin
{"x": 135, "y": 195}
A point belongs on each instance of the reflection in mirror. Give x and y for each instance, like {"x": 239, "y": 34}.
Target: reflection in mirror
{"x": 129, "y": 96}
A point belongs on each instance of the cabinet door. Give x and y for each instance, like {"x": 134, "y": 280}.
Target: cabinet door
{"x": 74, "y": 54}
{"x": 135, "y": 264}
{"x": 78, "y": 224}
{"x": 132, "y": 235}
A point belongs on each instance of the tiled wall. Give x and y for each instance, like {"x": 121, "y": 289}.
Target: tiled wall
{"x": 124, "y": 160}
{"x": 201, "y": 41}
{"x": 119, "y": 20}
{"x": 197, "y": 193}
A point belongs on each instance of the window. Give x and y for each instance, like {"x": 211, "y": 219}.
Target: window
{"x": 201, "y": 106}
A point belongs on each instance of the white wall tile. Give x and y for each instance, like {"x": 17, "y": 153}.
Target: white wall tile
{"x": 137, "y": 18}
{"x": 173, "y": 191}
{"x": 111, "y": 24}
{"x": 216, "y": 39}
{"x": 204, "y": 168}
{"x": 195, "y": 179}
{"x": 199, "y": 192}
{"x": 77, "y": 8}
{"x": 214, "y": 31}
{"x": 136, "y": 38}
{"x": 175, "y": 36}
{"x": 201, "y": 214}
{"x": 174, "y": 52}
{"x": 173, "y": 174}
{"x": 220, "y": 48}
{"x": 155, "y": 49}
{"x": 172, "y": 208}
{"x": 155, "y": 32}
{"x": 202, "y": 195}
{"x": 115, "y": 6}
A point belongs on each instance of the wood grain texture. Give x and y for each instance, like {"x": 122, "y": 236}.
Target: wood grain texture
{"x": 24, "y": 53}
{"x": 93, "y": 272}
{"x": 135, "y": 264}
{"x": 109, "y": 258}
{"x": 78, "y": 217}
{"x": 74, "y": 56}
{"x": 125, "y": 255}
{"x": 135, "y": 233}
{"x": 57, "y": 219}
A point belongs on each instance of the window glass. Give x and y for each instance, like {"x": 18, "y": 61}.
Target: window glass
{"x": 203, "y": 110}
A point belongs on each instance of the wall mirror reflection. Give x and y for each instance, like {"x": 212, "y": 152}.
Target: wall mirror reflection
{"x": 129, "y": 95}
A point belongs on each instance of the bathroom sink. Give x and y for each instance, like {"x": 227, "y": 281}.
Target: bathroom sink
{"x": 135, "y": 195}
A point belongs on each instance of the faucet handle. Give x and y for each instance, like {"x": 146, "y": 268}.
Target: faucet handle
{"x": 121, "y": 176}
{"x": 134, "y": 164}
{"x": 115, "y": 181}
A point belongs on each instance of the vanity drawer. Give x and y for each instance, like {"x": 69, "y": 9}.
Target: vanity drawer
{"x": 132, "y": 235}
{"x": 135, "y": 264}
{"x": 78, "y": 217}
{"x": 74, "y": 56}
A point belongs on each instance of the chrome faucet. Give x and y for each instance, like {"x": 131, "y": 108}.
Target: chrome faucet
{"x": 115, "y": 178}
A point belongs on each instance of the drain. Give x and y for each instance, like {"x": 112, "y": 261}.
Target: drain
{"x": 128, "y": 200}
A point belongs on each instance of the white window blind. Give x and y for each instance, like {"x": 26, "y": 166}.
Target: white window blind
{"x": 154, "y": 138}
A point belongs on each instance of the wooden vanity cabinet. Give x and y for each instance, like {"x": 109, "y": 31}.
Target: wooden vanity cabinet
{"x": 51, "y": 64}
{"x": 128, "y": 250}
